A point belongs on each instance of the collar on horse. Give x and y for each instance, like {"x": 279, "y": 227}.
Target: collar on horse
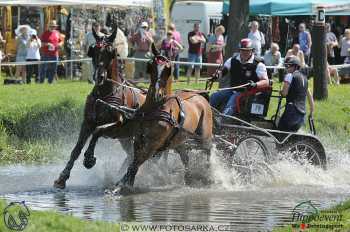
{"x": 159, "y": 114}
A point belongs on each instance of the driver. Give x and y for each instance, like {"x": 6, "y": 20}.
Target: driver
{"x": 243, "y": 68}
{"x": 295, "y": 89}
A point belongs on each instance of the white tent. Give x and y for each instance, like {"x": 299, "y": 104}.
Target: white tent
{"x": 146, "y": 3}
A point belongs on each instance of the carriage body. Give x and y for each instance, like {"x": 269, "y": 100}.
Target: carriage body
{"x": 251, "y": 131}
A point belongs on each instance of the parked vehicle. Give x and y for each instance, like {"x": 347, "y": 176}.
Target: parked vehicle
{"x": 185, "y": 14}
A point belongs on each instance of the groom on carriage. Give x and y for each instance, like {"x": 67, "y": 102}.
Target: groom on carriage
{"x": 242, "y": 70}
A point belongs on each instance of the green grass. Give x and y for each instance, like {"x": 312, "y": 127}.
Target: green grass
{"x": 50, "y": 221}
{"x": 342, "y": 210}
{"x": 34, "y": 117}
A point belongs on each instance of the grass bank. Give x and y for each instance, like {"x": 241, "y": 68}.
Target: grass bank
{"x": 334, "y": 219}
{"x": 50, "y": 221}
{"x": 34, "y": 118}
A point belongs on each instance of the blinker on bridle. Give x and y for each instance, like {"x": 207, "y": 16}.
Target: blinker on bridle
{"x": 161, "y": 60}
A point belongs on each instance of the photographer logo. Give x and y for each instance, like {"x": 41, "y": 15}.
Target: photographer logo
{"x": 16, "y": 216}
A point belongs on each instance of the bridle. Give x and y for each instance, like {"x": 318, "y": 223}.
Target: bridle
{"x": 162, "y": 62}
{"x": 102, "y": 44}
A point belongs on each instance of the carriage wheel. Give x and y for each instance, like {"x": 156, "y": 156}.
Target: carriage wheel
{"x": 250, "y": 160}
{"x": 307, "y": 152}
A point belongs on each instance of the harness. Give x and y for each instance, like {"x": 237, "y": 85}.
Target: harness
{"x": 118, "y": 97}
{"x": 159, "y": 114}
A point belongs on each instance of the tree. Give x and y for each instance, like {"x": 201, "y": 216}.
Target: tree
{"x": 319, "y": 53}
{"x": 237, "y": 25}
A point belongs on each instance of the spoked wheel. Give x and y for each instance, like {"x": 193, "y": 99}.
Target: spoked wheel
{"x": 250, "y": 161}
{"x": 307, "y": 152}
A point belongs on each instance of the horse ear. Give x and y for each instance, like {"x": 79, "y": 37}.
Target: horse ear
{"x": 111, "y": 38}
{"x": 155, "y": 50}
{"x": 97, "y": 38}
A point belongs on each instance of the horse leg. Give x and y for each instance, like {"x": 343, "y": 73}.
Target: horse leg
{"x": 107, "y": 130}
{"x": 127, "y": 145}
{"x": 183, "y": 152}
{"x": 127, "y": 181}
{"x": 89, "y": 158}
{"x": 84, "y": 134}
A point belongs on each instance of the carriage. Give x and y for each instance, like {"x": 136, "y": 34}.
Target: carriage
{"x": 251, "y": 142}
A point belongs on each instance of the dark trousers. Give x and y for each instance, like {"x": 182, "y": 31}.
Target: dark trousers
{"x": 331, "y": 60}
{"x": 291, "y": 119}
{"x": 32, "y": 69}
{"x": 48, "y": 70}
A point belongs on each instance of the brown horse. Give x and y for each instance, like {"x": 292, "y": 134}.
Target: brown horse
{"x": 108, "y": 89}
{"x": 164, "y": 121}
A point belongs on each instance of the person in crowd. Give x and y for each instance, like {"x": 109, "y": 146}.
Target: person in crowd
{"x": 90, "y": 40}
{"x": 2, "y": 46}
{"x": 22, "y": 38}
{"x": 257, "y": 37}
{"x": 295, "y": 51}
{"x": 272, "y": 57}
{"x": 51, "y": 41}
{"x": 215, "y": 46}
{"x": 332, "y": 75}
{"x": 33, "y": 54}
{"x": 196, "y": 40}
{"x": 243, "y": 68}
{"x": 142, "y": 41}
{"x": 295, "y": 89}
{"x": 170, "y": 46}
{"x": 304, "y": 38}
{"x": 177, "y": 37}
{"x": 345, "y": 51}
{"x": 331, "y": 42}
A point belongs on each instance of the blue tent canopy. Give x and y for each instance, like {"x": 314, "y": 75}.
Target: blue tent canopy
{"x": 294, "y": 7}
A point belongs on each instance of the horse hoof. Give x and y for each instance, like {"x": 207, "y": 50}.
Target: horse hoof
{"x": 121, "y": 190}
{"x": 89, "y": 162}
{"x": 60, "y": 183}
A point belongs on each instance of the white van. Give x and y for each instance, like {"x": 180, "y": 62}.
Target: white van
{"x": 185, "y": 13}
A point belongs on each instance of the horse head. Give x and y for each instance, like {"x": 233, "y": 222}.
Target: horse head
{"x": 159, "y": 68}
{"x": 102, "y": 54}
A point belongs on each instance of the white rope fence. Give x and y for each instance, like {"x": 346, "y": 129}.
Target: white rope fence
{"x": 141, "y": 60}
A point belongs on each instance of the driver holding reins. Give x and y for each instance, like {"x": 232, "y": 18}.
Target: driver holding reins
{"x": 242, "y": 69}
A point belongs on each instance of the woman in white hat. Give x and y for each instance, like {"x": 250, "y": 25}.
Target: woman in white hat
{"x": 22, "y": 38}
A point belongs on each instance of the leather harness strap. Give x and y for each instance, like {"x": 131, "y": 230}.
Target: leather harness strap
{"x": 162, "y": 115}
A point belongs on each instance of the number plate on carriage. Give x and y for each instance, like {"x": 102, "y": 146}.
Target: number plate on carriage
{"x": 257, "y": 109}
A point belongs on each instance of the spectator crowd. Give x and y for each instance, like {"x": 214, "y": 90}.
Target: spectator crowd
{"x": 32, "y": 47}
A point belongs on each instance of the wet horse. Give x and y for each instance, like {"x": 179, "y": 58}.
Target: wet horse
{"x": 108, "y": 89}
{"x": 164, "y": 122}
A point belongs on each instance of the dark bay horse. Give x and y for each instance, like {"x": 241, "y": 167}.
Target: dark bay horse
{"x": 164, "y": 122}
{"x": 108, "y": 89}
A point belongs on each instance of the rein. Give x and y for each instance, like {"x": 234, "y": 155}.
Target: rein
{"x": 127, "y": 86}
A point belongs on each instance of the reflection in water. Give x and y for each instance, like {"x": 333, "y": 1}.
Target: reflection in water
{"x": 61, "y": 201}
{"x": 127, "y": 208}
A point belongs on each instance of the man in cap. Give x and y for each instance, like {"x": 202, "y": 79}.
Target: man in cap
{"x": 243, "y": 68}
{"x": 50, "y": 43}
{"x": 295, "y": 89}
{"x": 142, "y": 40}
